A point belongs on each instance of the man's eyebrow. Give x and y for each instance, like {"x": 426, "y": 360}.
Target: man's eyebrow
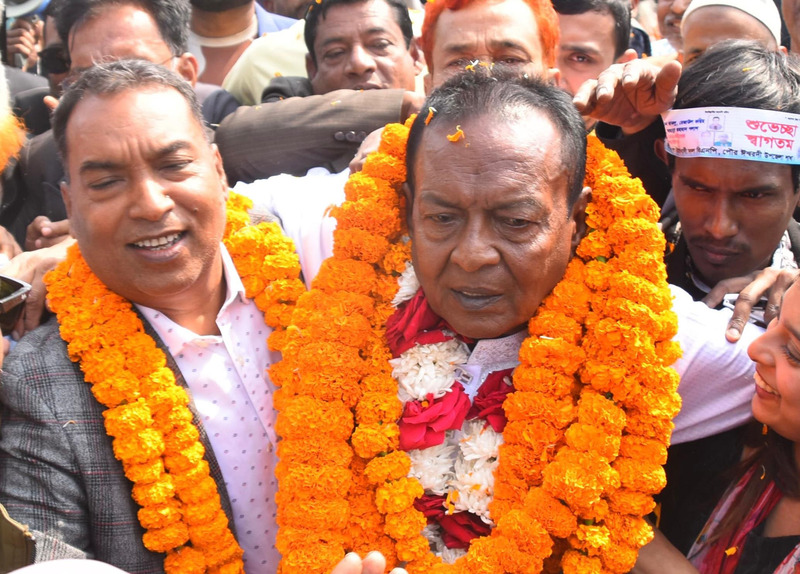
{"x": 521, "y": 203}
{"x": 588, "y": 48}
{"x": 101, "y": 165}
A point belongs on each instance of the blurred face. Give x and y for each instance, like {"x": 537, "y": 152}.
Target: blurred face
{"x": 145, "y": 196}
{"x": 732, "y": 212}
{"x": 587, "y": 47}
{"x": 57, "y": 57}
{"x": 670, "y": 13}
{"x": 791, "y": 15}
{"x": 495, "y": 31}
{"x": 490, "y": 228}
{"x": 124, "y": 31}
{"x": 777, "y": 357}
{"x": 361, "y": 47}
{"x": 713, "y": 24}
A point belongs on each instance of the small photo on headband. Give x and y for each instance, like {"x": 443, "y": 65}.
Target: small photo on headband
{"x": 733, "y": 133}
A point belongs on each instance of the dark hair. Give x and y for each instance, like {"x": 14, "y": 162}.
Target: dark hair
{"x": 113, "y": 78}
{"x": 171, "y": 18}
{"x": 742, "y": 74}
{"x": 317, "y": 11}
{"x": 620, "y": 10}
{"x": 501, "y": 92}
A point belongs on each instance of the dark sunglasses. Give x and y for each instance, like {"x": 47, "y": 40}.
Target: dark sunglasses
{"x": 54, "y": 60}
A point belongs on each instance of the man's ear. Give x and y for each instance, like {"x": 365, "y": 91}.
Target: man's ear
{"x": 660, "y": 150}
{"x": 187, "y": 67}
{"x": 578, "y": 216}
{"x": 409, "y": 205}
{"x": 553, "y": 76}
{"x": 311, "y": 67}
{"x": 427, "y": 82}
{"x": 417, "y": 55}
{"x": 220, "y": 170}
{"x": 66, "y": 197}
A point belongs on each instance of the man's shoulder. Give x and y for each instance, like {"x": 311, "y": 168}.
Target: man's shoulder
{"x": 40, "y": 363}
{"x": 284, "y": 87}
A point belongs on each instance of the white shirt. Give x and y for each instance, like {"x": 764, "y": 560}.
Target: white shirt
{"x": 226, "y": 375}
{"x": 302, "y": 203}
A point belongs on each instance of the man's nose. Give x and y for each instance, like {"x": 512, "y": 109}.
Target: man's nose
{"x": 721, "y": 222}
{"x": 151, "y": 200}
{"x": 475, "y": 248}
{"x": 360, "y": 61}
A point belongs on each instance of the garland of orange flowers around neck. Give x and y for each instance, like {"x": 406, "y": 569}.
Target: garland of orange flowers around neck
{"x": 147, "y": 411}
{"x": 586, "y": 423}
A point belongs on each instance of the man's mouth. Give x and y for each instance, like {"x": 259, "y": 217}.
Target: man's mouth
{"x": 159, "y": 243}
{"x": 717, "y": 254}
{"x": 762, "y": 384}
{"x": 476, "y": 299}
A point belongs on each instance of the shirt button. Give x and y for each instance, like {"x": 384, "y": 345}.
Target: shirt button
{"x": 339, "y": 136}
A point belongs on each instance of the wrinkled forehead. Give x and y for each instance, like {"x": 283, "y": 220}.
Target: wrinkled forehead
{"x": 487, "y": 149}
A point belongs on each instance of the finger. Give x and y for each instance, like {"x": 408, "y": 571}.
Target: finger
{"x": 741, "y": 312}
{"x": 667, "y": 84}
{"x": 732, "y": 285}
{"x": 374, "y": 563}
{"x": 783, "y": 281}
{"x": 51, "y": 102}
{"x": 584, "y": 98}
{"x": 350, "y": 564}
{"x": 34, "y": 305}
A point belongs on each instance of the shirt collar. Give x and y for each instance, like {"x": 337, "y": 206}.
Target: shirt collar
{"x": 174, "y": 336}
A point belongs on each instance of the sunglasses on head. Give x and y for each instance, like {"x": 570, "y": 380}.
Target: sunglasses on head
{"x": 54, "y": 60}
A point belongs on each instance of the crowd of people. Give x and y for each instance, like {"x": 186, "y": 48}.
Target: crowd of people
{"x": 359, "y": 285}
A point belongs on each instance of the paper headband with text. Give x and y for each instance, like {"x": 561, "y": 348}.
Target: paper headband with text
{"x": 733, "y": 133}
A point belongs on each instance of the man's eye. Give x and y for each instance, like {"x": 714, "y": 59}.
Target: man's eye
{"x": 459, "y": 63}
{"x": 516, "y": 223}
{"x": 177, "y": 165}
{"x": 512, "y": 61}
{"x": 380, "y": 45}
{"x": 580, "y": 58}
{"x": 103, "y": 183}
{"x": 442, "y": 218}
{"x": 333, "y": 54}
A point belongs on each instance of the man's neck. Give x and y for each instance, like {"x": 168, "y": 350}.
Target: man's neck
{"x": 221, "y": 24}
{"x": 198, "y": 313}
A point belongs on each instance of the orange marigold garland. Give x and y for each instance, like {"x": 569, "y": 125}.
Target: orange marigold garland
{"x": 147, "y": 411}
{"x": 588, "y": 418}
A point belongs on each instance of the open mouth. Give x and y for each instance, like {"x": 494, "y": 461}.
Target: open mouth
{"x": 762, "y": 384}
{"x": 159, "y": 243}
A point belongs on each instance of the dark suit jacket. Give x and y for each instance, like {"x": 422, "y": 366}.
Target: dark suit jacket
{"x": 298, "y": 131}
{"x": 58, "y": 473}
{"x": 30, "y": 107}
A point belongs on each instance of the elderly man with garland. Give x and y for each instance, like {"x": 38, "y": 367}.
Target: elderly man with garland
{"x": 493, "y": 232}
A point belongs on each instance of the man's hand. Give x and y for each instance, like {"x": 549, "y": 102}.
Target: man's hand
{"x": 412, "y": 103}
{"x": 9, "y": 248}
{"x": 369, "y": 145}
{"x": 771, "y": 283}
{"x": 374, "y": 563}
{"x": 23, "y": 39}
{"x": 31, "y": 267}
{"x": 43, "y": 233}
{"x": 630, "y": 95}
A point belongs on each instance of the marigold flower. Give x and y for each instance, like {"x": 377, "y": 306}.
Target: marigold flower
{"x": 644, "y": 476}
{"x": 185, "y": 559}
{"x": 393, "y": 466}
{"x": 157, "y": 516}
{"x": 397, "y": 495}
{"x": 551, "y": 513}
{"x": 167, "y": 538}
